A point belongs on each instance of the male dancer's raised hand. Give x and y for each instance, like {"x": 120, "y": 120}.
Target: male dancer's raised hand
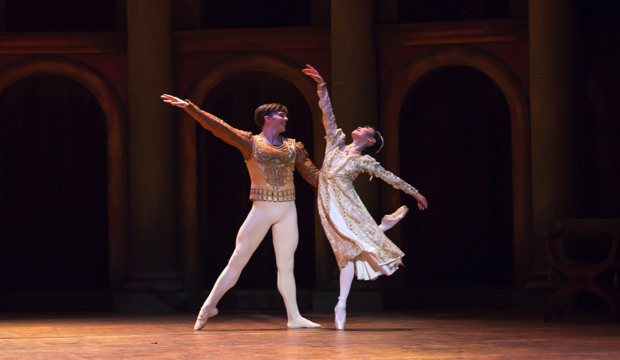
{"x": 173, "y": 100}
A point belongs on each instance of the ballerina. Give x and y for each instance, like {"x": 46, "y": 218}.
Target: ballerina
{"x": 360, "y": 245}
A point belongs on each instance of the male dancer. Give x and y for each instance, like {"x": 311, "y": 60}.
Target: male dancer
{"x": 271, "y": 160}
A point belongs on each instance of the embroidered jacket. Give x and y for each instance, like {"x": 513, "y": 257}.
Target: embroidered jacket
{"x": 271, "y": 167}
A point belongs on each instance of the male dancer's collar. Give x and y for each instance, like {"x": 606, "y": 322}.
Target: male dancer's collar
{"x": 280, "y": 138}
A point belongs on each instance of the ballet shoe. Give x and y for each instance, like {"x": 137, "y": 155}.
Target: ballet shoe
{"x": 340, "y": 307}
{"x": 302, "y": 323}
{"x": 201, "y": 321}
{"x": 389, "y": 221}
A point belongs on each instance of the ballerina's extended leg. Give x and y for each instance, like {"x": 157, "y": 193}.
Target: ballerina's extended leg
{"x": 346, "y": 278}
{"x": 389, "y": 221}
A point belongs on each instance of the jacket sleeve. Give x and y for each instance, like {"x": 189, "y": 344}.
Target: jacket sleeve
{"x": 240, "y": 139}
{"x": 305, "y": 166}
{"x": 372, "y": 167}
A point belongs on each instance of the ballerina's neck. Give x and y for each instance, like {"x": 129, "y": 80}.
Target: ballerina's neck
{"x": 351, "y": 149}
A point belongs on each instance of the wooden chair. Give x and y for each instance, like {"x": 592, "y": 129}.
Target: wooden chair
{"x": 581, "y": 275}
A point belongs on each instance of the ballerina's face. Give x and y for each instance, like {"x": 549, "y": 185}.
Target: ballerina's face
{"x": 364, "y": 135}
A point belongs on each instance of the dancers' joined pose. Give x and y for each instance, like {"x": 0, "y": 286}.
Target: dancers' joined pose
{"x": 360, "y": 246}
{"x": 271, "y": 160}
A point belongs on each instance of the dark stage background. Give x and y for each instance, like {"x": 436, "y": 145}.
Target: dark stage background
{"x": 460, "y": 156}
{"x": 455, "y": 142}
{"x": 54, "y": 180}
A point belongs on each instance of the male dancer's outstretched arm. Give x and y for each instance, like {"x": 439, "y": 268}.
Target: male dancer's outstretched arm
{"x": 240, "y": 139}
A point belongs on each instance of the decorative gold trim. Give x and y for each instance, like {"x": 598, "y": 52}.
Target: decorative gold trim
{"x": 272, "y": 196}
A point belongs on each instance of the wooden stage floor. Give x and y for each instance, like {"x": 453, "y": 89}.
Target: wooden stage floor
{"x": 263, "y": 335}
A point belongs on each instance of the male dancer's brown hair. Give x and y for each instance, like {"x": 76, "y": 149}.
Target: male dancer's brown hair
{"x": 267, "y": 110}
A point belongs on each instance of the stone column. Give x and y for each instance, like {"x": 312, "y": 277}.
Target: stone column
{"x": 153, "y": 250}
{"x": 354, "y": 87}
{"x": 552, "y": 26}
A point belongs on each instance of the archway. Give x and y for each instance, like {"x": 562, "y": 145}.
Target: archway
{"x": 54, "y": 155}
{"x": 271, "y": 66}
{"x": 114, "y": 114}
{"x": 494, "y": 68}
{"x": 455, "y": 127}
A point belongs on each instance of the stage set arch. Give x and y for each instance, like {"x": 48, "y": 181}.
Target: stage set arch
{"x": 89, "y": 141}
{"x": 423, "y": 69}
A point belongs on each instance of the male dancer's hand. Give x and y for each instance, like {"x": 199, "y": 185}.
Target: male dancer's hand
{"x": 422, "y": 204}
{"x": 173, "y": 100}
{"x": 310, "y": 71}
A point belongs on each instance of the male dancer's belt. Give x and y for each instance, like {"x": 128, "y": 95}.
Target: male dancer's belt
{"x": 272, "y": 196}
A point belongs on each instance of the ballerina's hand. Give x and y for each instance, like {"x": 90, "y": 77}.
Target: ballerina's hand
{"x": 173, "y": 100}
{"x": 310, "y": 71}
{"x": 422, "y": 204}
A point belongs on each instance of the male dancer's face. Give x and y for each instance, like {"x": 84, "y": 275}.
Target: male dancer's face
{"x": 277, "y": 121}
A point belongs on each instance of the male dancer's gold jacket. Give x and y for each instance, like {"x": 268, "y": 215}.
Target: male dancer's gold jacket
{"x": 271, "y": 167}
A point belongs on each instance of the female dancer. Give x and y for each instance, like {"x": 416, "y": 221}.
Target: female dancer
{"x": 358, "y": 242}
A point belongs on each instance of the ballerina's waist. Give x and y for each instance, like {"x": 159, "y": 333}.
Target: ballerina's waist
{"x": 333, "y": 176}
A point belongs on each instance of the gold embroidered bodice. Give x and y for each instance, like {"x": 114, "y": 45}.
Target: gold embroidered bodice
{"x": 271, "y": 167}
{"x": 271, "y": 170}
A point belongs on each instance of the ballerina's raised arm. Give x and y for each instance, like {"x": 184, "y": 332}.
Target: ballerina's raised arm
{"x": 333, "y": 134}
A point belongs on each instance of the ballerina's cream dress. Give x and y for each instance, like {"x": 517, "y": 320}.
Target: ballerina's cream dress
{"x": 351, "y": 231}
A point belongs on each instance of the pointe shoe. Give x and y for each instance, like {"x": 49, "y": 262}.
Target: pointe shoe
{"x": 389, "y": 221}
{"x": 341, "y": 307}
{"x": 201, "y": 321}
{"x": 302, "y": 323}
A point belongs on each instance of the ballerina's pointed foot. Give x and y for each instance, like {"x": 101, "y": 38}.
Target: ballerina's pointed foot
{"x": 302, "y": 323}
{"x": 201, "y": 321}
{"x": 341, "y": 315}
{"x": 389, "y": 221}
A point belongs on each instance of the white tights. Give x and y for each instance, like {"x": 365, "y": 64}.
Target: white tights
{"x": 348, "y": 272}
{"x": 346, "y": 279}
{"x": 283, "y": 217}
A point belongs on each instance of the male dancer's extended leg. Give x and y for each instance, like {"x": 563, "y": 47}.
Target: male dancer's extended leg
{"x": 285, "y": 238}
{"x": 249, "y": 237}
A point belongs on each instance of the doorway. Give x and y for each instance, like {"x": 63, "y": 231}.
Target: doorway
{"x": 53, "y": 188}
{"x": 455, "y": 146}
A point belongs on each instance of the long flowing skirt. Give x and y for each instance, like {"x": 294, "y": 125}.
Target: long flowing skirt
{"x": 367, "y": 264}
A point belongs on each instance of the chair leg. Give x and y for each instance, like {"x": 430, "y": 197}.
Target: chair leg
{"x": 607, "y": 298}
{"x": 557, "y": 301}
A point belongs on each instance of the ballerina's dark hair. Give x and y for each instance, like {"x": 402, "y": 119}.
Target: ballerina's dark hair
{"x": 376, "y": 147}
